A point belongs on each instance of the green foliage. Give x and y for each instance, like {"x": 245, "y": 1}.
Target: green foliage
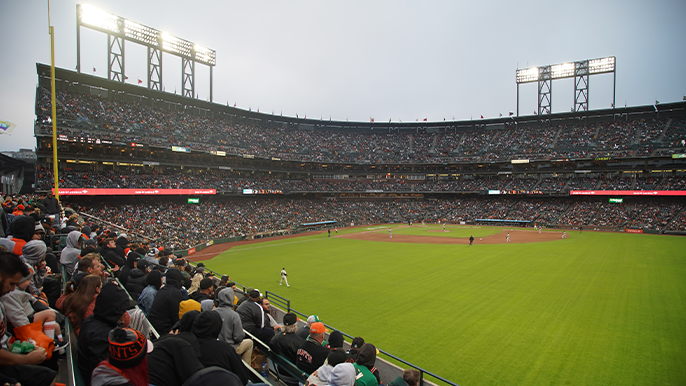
{"x": 594, "y": 309}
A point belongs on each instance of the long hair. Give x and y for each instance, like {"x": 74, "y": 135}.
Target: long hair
{"x": 76, "y": 303}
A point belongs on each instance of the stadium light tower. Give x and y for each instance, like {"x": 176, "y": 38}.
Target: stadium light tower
{"x": 120, "y": 30}
{"x": 580, "y": 71}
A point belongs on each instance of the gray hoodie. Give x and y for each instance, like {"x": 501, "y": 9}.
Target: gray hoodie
{"x": 232, "y": 328}
{"x": 70, "y": 254}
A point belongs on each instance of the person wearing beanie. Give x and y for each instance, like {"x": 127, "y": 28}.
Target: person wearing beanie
{"x": 21, "y": 229}
{"x": 127, "y": 362}
{"x": 365, "y": 365}
{"x": 206, "y": 328}
{"x": 93, "y": 345}
{"x": 322, "y": 376}
{"x": 122, "y": 243}
{"x": 164, "y": 311}
{"x": 34, "y": 254}
{"x": 335, "y": 340}
{"x": 153, "y": 279}
{"x": 137, "y": 280}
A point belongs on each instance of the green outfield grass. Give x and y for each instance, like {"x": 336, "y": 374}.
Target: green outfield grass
{"x": 594, "y": 309}
{"x": 450, "y": 231}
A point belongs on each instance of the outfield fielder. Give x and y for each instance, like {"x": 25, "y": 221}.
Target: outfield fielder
{"x": 508, "y": 237}
{"x": 284, "y": 277}
{"x": 564, "y": 234}
{"x": 390, "y": 233}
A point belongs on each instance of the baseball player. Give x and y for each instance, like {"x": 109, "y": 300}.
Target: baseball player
{"x": 284, "y": 277}
{"x": 390, "y": 233}
{"x": 508, "y": 237}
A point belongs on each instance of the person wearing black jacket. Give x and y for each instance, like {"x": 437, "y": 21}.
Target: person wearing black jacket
{"x": 128, "y": 266}
{"x": 138, "y": 279}
{"x": 312, "y": 354}
{"x": 165, "y": 308}
{"x": 121, "y": 244}
{"x": 52, "y": 206}
{"x": 174, "y": 358}
{"x": 109, "y": 253}
{"x": 287, "y": 343}
{"x": 206, "y": 328}
{"x": 93, "y": 346}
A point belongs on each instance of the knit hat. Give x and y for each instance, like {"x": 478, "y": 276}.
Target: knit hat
{"x": 343, "y": 374}
{"x": 206, "y": 283}
{"x": 128, "y": 347}
{"x": 29, "y": 276}
{"x": 290, "y": 319}
{"x": 317, "y": 328}
{"x": 335, "y": 339}
{"x": 337, "y": 356}
{"x": 34, "y": 251}
{"x": 22, "y": 227}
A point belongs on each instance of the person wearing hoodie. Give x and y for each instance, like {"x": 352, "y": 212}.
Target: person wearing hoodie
{"x": 344, "y": 374}
{"x": 232, "y": 328}
{"x": 175, "y": 356}
{"x": 93, "y": 343}
{"x": 322, "y": 375}
{"x": 21, "y": 229}
{"x": 127, "y": 267}
{"x": 89, "y": 246}
{"x": 365, "y": 366}
{"x": 164, "y": 311}
{"x": 136, "y": 282}
{"x": 70, "y": 254}
{"x": 122, "y": 244}
{"x": 213, "y": 352}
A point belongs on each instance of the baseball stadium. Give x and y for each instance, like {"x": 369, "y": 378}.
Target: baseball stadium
{"x": 519, "y": 250}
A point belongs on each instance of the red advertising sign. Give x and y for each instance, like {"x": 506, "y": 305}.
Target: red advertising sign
{"x": 628, "y": 193}
{"x": 132, "y": 192}
{"x": 633, "y": 230}
{"x": 191, "y": 251}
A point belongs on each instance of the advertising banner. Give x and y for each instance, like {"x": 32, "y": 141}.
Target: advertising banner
{"x": 131, "y": 192}
{"x": 191, "y": 251}
{"x": 627, "y": 193}
{"x": 633, "y": 230}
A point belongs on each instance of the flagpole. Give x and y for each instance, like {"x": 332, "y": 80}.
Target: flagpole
{"x": 55, "y": 169}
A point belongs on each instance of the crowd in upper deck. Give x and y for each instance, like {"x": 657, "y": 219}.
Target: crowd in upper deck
{"x": 90, "y": 116}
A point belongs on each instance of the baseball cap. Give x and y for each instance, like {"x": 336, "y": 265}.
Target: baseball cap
{"x": 313, "y": 319}
{"x": 290, "y": 319}
{"x": 206, "y": 283}
{"x": 254, "y": 294}
{"x": 317, "y": 328}
{"x": 357, "y": 342}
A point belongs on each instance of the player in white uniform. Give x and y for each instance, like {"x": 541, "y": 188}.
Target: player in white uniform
{"x": 508, "y": 237}
{"x": 564, "y": 234}
{"x": 390, "y": 233}
{"x": 284, "y": 277}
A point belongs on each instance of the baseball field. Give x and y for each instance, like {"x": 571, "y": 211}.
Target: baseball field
{"x": 595, "y": 308}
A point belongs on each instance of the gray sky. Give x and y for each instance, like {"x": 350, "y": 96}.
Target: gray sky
{"x": 399, "y": 60}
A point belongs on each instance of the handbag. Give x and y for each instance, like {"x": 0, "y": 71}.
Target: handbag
{"x": 34, "y": 332}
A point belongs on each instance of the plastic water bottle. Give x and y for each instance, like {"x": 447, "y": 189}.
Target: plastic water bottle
{"x": 264, "y": 369}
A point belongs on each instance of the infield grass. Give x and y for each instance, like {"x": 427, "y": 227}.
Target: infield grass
{"x": 594, "y": 309}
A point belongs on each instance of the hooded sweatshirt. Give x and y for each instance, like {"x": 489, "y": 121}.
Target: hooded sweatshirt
{"x": 21, "y": 229}
{"x": 164, "y": 311}
{"x": 70, "y": 254}
{"x": 232, "y": 328}
{"x": 343, "y": 375}
{"x": 206, "y": 329}
{"x": 93, "y": 343}
{"x": 126, "y": 269}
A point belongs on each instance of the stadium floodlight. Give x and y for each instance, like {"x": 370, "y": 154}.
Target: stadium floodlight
{"x": 119, "y": 30}
{"x": 579, "y": 70}
{"x": 527, "y": 75}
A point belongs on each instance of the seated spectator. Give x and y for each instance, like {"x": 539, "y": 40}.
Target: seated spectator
{"x": 206, "y": 328}
{"x": 264, "y": 302}
{"x": 175, "y": 356}
{"x": 89, "y": 246}
{"x": 137, "y": 278}
{"x": 129, "y": 265}
{"x": 355, "y": 347}
{"x": 145, "y": 299}
{"x": 214, "y": 376}
{"x": 164, "y": 311}
{"x": 410, "y": 377}
{"x": 79, "y": 305}
{"x": 90, "y": 264}
{"x": 197, "y": 278}
{"x": 21, "y": 368}
{"x": 365, "y": 365}
{"x": 322, "y": 376}
{"x": 232, "y": 328}
{"x": 305, "y": 331}
{"x": 312, "y": 354}
{"x": 287, "y": 343}
{"x": 21, "y": 229}
{"x": 254, "y": 319}
{"x": 127, "y": 363}
{"x": 343, "y": 374}
{"x": 335, "y": 340}
{"x": 93, "y": 346}
{"x": 70, "y": 254}
{"x": 109, "y": 253}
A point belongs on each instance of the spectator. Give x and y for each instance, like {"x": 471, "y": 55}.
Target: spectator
{"x": 79, "y": 305}
{"x": 409, "y": 377}
{"x": 70, "y": 255}
{"x": 355, "y": 347}
{"x": 312, "y": 354}
{"x": 175, "y": 356}
{"x": 305, "y": 331}
{"x": 154, "y": 282}
{"x": 206, "y": 328}
{"x": 93, "y": 346}
{"x": 322, "y": 376}
{"x": 21, "y": 229}
{"x": 232, "y": 328}
{"x": 288, "y": 342}
{"x": 137, "y": 278}
{"x": 254, "y": 319}
{"x": 127, "y": 363}
{"x": 164, "y": 311}
{"x": 365, "y": 365}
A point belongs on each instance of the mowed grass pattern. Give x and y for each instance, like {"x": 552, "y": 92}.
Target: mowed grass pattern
{"x": 595, "y": 309}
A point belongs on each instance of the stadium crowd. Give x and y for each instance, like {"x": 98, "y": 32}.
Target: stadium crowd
{"x": 94, "y": 117}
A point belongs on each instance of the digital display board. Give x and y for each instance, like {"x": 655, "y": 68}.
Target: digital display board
{"x": 627, "y": 193}
{"x": 193, "y": 200}
{"x": 131, "y": 192}
{"x": 617, "y": 200}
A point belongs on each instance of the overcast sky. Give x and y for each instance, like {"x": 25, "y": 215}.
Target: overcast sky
{"x": 399, "y": 60}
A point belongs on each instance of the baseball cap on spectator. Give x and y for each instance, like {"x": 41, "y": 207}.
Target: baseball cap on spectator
{"x": 123, "y": 235}
{"x": 313, "y": 319}
{"x": 142, "y": 264}
{"x": 317, "y": 328}
{"x": 39, "y": 229}
{"x": 153, "y": 252}
{"x": 254, "y": 294}
{"x": 225, "y": 277}
{"x": 200, "y": 265}
{"x": 180, "y": 262}
{"x": 230, "y": 284}
{"x": 357, "y": 342}
{"x": 152, "y": 245}
{"x": 336, "y": 356}
{"x": 128, "y": 347}
{"x": 20, "y": 207}
{"x": 91, "y": 242}
{"x": 290, "y": 319}
{"x": 206, "y": 283}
